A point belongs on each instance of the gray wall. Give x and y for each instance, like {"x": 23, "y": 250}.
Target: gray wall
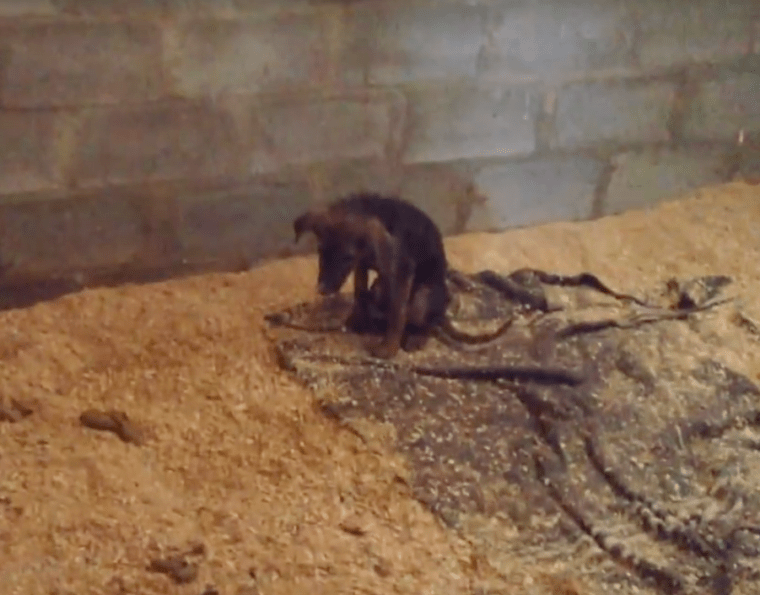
{"x": 140, "y": 135}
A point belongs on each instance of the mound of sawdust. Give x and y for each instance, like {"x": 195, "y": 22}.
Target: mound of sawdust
{"x": 236, "y": 456}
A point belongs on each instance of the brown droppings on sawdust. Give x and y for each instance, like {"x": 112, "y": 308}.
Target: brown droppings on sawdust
{"x": 176, "y": 567}
{"x": 14, "y": 410}
{"x": 242, "y": 457}
{"x": 354, "y": 525}
{"x": 113, "y": 421}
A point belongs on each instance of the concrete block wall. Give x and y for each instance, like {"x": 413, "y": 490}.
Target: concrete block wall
{"x": 143, "y": 136}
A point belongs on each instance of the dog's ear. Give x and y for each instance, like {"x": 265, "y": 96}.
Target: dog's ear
{"x": 311, "y": 221}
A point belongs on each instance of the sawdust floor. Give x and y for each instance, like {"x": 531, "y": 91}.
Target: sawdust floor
{"x": 236, "y": 456}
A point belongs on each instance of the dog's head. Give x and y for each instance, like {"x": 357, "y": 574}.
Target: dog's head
{"x": 341, "y": 245}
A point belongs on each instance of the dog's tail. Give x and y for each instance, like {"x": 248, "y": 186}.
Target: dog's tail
{"x": 451, "y": 332}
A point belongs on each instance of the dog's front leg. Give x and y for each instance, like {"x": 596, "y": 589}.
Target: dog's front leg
{"x": 400, "y": 293}
{"x": 418, "y": 330}
{"x": 358, "y": 320}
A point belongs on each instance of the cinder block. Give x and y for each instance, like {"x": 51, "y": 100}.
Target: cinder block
{"x": 437, "y": 188}
{"x": 241, "y": 224}
{"x": 619, "y": 113}
{"x": 402, "y": 42}
{"x": 169, "y": 140}
{"x": 45, "y": 237}
{"x": 747, "y": 159}
{"x": 64, "y": 63}
{"x": 148, "y": 7}
{"x": 23, "y": 8}
{"x": 644, "y": 179}
{"x": 724, "y": 107}
{"x": 328, "y": 180}
{"x": 442, "y": 190}
{"x": 556, "y": 40}
{"x": 683, "y": 32}
{"x": 314, "y": 128}
{"x": 750, "y": 168}
{"x": 257, "y": 216}
{"x": 28, "y": 160}
{"x": 262, "y": 55}
{"x": 534, "y": 192}
{"x": 460, "y": 122}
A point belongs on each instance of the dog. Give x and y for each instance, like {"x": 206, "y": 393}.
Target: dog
{"x": 370, "y": 232}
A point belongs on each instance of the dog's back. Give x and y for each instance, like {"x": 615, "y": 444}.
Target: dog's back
{"x": 418, "y": 235}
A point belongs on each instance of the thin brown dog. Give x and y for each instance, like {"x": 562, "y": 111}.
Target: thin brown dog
{"x": 365, "y": 232}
